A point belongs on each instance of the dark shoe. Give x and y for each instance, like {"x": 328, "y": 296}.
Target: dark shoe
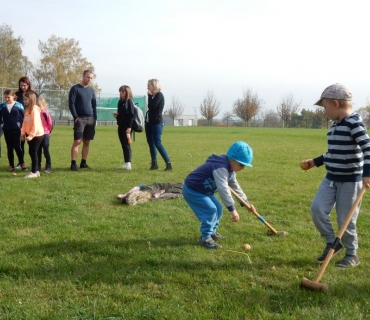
{"x": 84, "y": 166}
{"x": 216, "y": 236}
{"x": 168, "y": 166}
{"x": 23, "y": 166}
{"x": 73, "y": 166}
{"x": 348, "y": 262}
{"x": 154, "y": 166}
{"x": 47, "y": 168}
{"x": 209, "y": 243}
{"x": 11, "y": 169}
{"x": 338, "y": 249}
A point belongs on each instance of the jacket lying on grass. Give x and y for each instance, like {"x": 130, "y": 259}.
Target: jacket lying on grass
{"x": 156, "y": 191}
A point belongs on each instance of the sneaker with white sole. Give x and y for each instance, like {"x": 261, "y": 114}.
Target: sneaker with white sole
{"x": 348, "y": 261}
{"x": 127, "y": 166}
{"x": 338, "y": 249}
{"x": 32, "y": 175}
{"x": 209, "y": 243}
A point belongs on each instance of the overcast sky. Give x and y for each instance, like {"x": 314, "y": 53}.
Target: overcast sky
{"x": 274, "y": 47}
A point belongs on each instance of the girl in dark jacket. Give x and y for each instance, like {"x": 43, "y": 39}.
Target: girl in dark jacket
{"x": 125, "y": 118}
{"x": 11, "y": 119}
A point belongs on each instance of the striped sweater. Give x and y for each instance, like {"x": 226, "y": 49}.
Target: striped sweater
{"x": 348, "y": 155}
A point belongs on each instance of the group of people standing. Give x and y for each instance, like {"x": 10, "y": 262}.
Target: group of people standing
{"x": 82, "y": 104}
{"x": 24, "y": 117}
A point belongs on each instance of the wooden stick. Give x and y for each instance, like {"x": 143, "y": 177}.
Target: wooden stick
{"x": 253, "y": 211}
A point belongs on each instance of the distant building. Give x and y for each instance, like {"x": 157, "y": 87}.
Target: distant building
{"x": 181, "y": 121}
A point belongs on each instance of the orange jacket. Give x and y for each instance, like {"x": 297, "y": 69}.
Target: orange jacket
{"x": 32, "y": 125}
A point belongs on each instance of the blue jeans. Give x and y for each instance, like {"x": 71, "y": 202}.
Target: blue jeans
{"x": 208, "y": 210}
{"x": 153, "y": 134}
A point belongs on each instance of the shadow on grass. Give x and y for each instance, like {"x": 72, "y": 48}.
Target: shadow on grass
{"x": 179, "y": 263}
{"x": 115, "y": 261}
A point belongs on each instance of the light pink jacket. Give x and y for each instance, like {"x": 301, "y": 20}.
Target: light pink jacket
{"x": 32, "y": 126}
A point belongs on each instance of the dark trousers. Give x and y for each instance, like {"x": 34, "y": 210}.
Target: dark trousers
{"x": 1, "y": 133}
{"x": 13, "y": 142}
{"x": 23, "y": 143}
{"x": 33, "y": 148}
{"x": 45, "y": 146}
{"x": 127, "y": 153}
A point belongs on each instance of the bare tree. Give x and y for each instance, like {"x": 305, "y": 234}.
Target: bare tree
{"x": 248, "y": 106}
{"x": 175, "y": 109}
{"x": 227, "y": 117}
{"x": 209, "y": 107}
{"x": 287, "y": 108}
{"x": 271, "y": 119}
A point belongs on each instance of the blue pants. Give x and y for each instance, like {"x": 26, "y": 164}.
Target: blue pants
{"x": 207, "y": 209}
{"x": 341, "y": 195}
{"x": 153, "y": 137}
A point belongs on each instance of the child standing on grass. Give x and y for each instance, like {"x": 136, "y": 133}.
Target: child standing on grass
{"x": 347, "y": 164}
{"x": 47, "y": 124}
{"x": 11, "y": 119}
{"x": 218, "y": 173}
{"x": 125, "y": 119}
{"x": 32, "y": 131}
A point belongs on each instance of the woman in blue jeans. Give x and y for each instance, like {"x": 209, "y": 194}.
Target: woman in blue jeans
{"x": 154, "y": 124}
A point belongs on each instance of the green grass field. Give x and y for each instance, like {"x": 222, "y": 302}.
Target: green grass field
{"x": 71, "y": 250}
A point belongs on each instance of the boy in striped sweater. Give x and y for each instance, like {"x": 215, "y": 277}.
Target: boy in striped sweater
{"x": 347, "y": 163}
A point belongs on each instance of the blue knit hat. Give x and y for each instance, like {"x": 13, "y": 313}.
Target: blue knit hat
{"x": 241, "y": 152}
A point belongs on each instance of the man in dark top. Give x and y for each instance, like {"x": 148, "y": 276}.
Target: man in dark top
{"x": 82, "y": 104}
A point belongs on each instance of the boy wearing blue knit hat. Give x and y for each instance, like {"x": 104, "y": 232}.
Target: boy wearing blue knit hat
{"x": 218, "y": 173}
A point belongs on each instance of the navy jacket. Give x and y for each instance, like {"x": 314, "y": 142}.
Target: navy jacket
{"x": 11, "y": 121}
{"x": 215, "y": 175}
